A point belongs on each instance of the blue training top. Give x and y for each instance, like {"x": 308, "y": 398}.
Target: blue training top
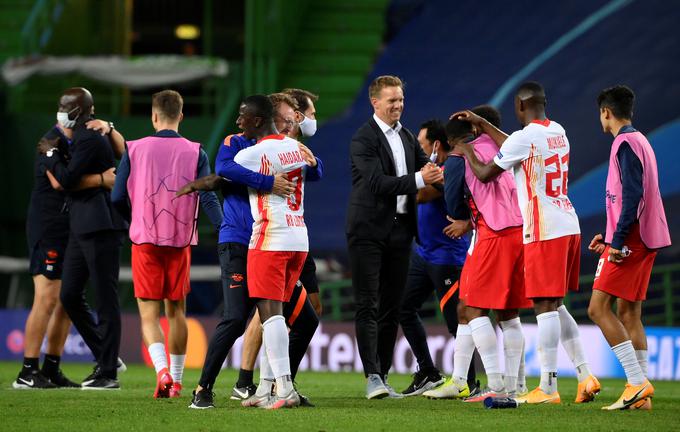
{"x": 433, "y": 245}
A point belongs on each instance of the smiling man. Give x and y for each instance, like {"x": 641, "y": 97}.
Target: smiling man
{"x": 388, "y": 168}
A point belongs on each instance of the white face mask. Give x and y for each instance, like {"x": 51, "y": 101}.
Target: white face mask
{"x": 307, "y": 126}
{"x": 64, "y": 121}
{"x": 433, "y": 156}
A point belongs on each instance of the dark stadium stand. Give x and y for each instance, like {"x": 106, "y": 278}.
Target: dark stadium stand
{"x": 451, "y": 57}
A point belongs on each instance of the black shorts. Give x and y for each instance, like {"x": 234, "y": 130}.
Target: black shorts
{"x": 308, "y": 276}
{"x": 47, "y": 260}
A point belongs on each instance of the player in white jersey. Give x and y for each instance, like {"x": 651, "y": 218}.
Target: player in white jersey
{"x": 538, "y": 154}
{"x": 277, "y": 251}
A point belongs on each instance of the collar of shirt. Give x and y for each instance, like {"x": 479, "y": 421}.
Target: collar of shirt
{"x": 385, "y": 127}
{"x": 167, "y": 133}
{"x": 626, "y": 129}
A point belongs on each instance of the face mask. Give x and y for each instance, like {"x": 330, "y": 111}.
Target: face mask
{"x": 307, "y": 126}
{"x": 433, "y": 156}
{"x": 64, "y": 121}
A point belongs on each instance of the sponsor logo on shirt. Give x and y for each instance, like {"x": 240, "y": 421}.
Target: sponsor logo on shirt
{"x": 499, "y": 155}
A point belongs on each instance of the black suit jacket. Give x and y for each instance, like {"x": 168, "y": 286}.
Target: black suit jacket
{"x": 375, "y": 185}
{"x": 90, "y": 210}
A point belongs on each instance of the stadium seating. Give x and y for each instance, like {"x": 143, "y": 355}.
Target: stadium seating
{"x": 454, "y": 55}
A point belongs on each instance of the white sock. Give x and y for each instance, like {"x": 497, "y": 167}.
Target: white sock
{"x": 158, "y": 358}
{"x": 513, "y": 343}
{"x": 521, "y": 374}
{"x": 177, "y": 367}
{"x": 626, "y": 355}
{"x": 266, "y": 375}
{"x": 548, "y": 339}
{"x": 485, "y": 341}
{"x": 275, "y": 337}
{"x": 571, "y": 341}
{"x": 462, "y": 355}
{"x": 642, "y": 359}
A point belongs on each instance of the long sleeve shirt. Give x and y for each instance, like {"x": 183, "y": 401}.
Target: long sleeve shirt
{"x": 631, "y": 180}
{"x": 209, "y": 201}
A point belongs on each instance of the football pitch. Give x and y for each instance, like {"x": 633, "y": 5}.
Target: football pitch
{"x": 340, "y": 406}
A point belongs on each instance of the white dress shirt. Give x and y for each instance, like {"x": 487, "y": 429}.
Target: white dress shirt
{"x": 397, "y": 146}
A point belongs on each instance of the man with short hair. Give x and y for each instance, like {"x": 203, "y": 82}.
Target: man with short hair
{"x": 300, "y": 311}
{"x": 277, "y": 251}
{"x": 435, "y": 265}
{"x": 388, "y": 168}
{"x": 235, "y": 232}
{"x": 96, "y": 236}
{"x": 636, "y": 229}
{"x": 47, "y": 234}
{"x": 162, "y": 230}
{"x": 492, "y": 278}
{"x": 539, "y": 156}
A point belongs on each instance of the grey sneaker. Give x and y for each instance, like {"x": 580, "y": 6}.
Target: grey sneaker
{"x": 392, "y": 393}
{"x": 256, "y": 400}
{"x": 289, "y": 401}
{"x": 375, "y": 388}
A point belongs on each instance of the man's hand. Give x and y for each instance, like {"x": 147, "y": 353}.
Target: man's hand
{"x": 210, "y": 182}
{"x": 457, "y": 228}
{"x": 307, "y": 155}
{"x": 109, "y": 178}
{"x": 315, "y": 300}
{"x": 47, "y": 145}
{"x": 597, "y": 244}
{"x": 468, "y": 116}
{"x": 432, "y": 174}
{"x": 282, "y": 186}
{"x": 616, "y": 255}
{"x": 100, "y": 126}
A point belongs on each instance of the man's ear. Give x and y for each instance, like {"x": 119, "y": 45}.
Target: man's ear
{"x": 374, "y": 102}
{"x": 181, "y": 117}
{"x": 521, "y": 105}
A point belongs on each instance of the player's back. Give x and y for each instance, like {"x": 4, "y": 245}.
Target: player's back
{"x": 542, "y": 183}
{"x": 279, "y": 223}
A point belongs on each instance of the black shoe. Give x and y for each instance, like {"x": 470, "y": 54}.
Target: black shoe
{"x": 243, "y": 393}
{"x": 475, "y": 390}
{"x": 101, "y": 383}
{"x": 202, "y": 400}
{"x": 98, "y": 381}
{"x": 304, "y": 400}
{"x": 424, "y": 380}
{"x": 60, "y": 380}
{"x": 33, "y": 380}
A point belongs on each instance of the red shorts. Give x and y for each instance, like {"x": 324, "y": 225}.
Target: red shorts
{"x": 551, "y": 267}
{"x": 628, "y": 279}
{"x": 493, "y": 276}
{"x": 272, "y": 274}
{"x": 161, "y": 272}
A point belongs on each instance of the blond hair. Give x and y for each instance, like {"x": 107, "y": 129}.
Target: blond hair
{"x": 278, "y": 98}
{"x": 381, "y": 82}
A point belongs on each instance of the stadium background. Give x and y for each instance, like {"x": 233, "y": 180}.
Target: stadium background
{"x": 451, "y": 55}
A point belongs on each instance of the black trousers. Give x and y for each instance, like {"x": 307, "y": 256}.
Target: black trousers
{"x": 95, "y": 257}
{"x": 379, "y": 270}
{"x": 423, "y": 278}
{"x": 238, "y": 307}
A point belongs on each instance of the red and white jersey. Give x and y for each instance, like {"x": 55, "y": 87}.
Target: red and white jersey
{"x": 279, "y": 223}
{"x": 539, "y": 157}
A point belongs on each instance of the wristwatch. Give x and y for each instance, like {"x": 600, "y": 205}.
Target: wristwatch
{"x": 111, "y": 128}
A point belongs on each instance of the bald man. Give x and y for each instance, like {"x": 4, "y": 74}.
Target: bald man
{"x": 95, "y": 239}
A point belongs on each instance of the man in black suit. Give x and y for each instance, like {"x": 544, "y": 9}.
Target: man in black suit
{"x": 96, "y": 236}
{"x": 388, "y": 168}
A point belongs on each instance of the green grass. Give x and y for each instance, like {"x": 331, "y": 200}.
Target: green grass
{"x": 340, "y": 407}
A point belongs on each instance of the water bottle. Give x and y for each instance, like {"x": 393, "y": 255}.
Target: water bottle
{"x": 500, "y": 402}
